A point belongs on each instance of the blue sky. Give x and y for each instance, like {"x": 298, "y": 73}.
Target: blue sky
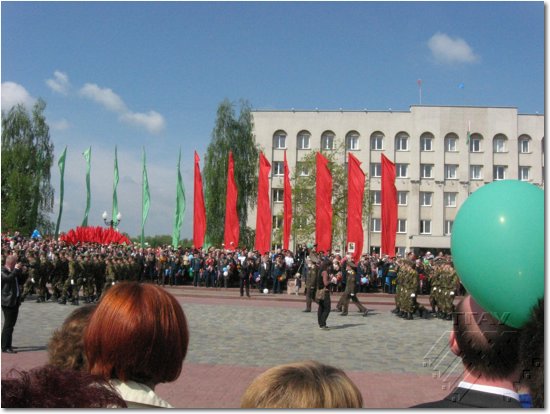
{"x": 146, "y": 74}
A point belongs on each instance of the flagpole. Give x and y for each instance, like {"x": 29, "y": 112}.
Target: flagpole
{"x": 419, "y": 83}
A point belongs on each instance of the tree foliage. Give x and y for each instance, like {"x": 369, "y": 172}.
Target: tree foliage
{"x": 27, "y": 156}
{"x": 160, "y": 240}
{"x": 231, "y": 132}
{"x": 303, "y": 223}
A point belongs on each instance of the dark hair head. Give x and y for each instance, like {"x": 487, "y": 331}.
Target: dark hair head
{"x": 487, "y": 346}
{"x": 66, "y": 347}
{"x": 52, "y": 387}
{"x": 532, "y": 354}
{"x": 138, "y": 332}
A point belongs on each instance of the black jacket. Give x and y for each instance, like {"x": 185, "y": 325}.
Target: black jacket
{"x": 9, "y": 287}
{"x": 464, "y": 398}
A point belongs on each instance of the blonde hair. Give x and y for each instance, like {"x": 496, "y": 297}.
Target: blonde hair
{"x": 307, "y": 384}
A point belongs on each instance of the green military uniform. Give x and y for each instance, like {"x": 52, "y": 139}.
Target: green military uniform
{"x": 32, "y": 280}
{"x": 87, "y": 279}
{"x": 436, "y": 279}
{"x": 45, "y": 270}
{"x": 311, "y": 280}
{"x": 350, "y": 292}
{"x": 449, "y": 283}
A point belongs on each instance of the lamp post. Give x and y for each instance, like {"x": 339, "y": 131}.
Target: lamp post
{"x": 113, "y": 222}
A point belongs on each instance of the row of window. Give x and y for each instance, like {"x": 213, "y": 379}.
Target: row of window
{"x": 376, "y": 225}
{"x": 475, "y": 142}
{"x": 426, "y": 171}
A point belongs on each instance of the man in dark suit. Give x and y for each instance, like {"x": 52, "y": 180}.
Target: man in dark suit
{"x": 489, "y": 351}
{"x": 12, "y": 284}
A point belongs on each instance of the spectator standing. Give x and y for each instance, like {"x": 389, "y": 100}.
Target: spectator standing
{"x": 12, "y": 282}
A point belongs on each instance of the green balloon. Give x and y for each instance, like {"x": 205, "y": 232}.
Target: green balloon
{"x": 497, "y": 244}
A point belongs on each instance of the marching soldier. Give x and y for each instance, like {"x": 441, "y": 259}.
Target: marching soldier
{"x": 32, "y": 280}
{"x": 45, "y": 270}
{"x": 350, "y": 291}
{"x": 311, "y": 280}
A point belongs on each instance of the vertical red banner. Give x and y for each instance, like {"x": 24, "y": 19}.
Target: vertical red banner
{"x": 323, "y": 205}
{"x": 263, "y": 215}
{"x": 199, "y": 210}
{"x": 389, "y": 207}
{"x": 356, "y": 195}
{"x": 231, "y": 231}
{"x": 287, "y": 206}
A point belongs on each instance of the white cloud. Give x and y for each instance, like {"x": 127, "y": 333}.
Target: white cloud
{"x": 104, "y": 96}
{"x": 448, "y": 50}
{"x": 13, "y": 94}
{"x": 152, "y": 121}
{"x": 60, "y": 125}
{"x": 60, "y": 83}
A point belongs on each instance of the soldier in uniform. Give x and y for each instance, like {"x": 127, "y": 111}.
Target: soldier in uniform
{"x": 98, "y": 270}
{"x": 311, "y": 280}
{"x": 45, "y": 270}
{"x": 350, "y": 292}
{"x": 435, "y": 287}
{"x": 32, "y": 280}
{"x": 449, "y": 282}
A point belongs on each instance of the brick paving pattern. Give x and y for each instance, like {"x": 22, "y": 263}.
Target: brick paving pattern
{"x": 395, "y": 363}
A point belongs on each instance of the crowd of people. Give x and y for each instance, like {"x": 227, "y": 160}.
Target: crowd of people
{"x": 90, "y": 350}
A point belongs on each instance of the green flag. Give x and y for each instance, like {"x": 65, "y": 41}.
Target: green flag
{"x": 145, "y": 199}
{"x": 180, "y": 207}
{"x": 61, "y": 165}
{"x": 115, "y": 184}
{"x": 468, "y": 135}
{"x": 88, "y": 157}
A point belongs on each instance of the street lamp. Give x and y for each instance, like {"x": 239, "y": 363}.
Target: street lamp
{"x": 111, "y": 223}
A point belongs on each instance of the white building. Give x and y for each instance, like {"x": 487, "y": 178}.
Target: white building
{"x": 436, "y": 167}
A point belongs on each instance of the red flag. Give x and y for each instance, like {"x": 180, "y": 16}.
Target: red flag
{"x": 356, "y": 194}
{"x": 287, "y": 206}
{"x": 231, "y": 231}
{"x": 389, "y": 207}
{"x": 263, "y": 215}
{"x": 199, "y": 211}
{"x": 323, "y": 205}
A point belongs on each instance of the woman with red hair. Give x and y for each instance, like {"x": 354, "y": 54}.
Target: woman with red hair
{"x": 137, "y": 338}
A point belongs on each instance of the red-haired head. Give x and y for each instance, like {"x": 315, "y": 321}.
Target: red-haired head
{"x": 138, "y": 332}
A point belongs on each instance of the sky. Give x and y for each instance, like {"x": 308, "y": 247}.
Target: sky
{"x": 152, "y": 74}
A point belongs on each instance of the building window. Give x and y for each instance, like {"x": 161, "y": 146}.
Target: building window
{"x": 376, "y": 169}
{"x": 303, "y": 140}
{"x": 426, "y": 198}
{"x": 352, "y": 141}
{"x": 277, "y": 222}
{"x": 376, "y": 225}
{"x": 401, "y": 170}
{"x": 278, "y": 168}
{"x": 425, "y": 227}
{"x": 499, "y": 143}
{"x": 448, "y": 227}
{"x": 376, "y": 197}
{"x": 451, "y": 171}
{"x": 451, "y": 143}
{"x": 278, "y": 195}
{"x": 377, "y": 142}
{"x": 475, "y": 143}
{"x": 327, "y": 141}
{"x": 402, "y": 142}
{"x": 524, "y": 173}
{"x": 450, "y": 199}
{"x": 279, "y": 140}
{"x": 524, "y": 145}
{"x": 426, "y": 170}
{"x": 476, "y": 172}
{"x": 401, "y": 225}
{"x": 499, "y": 172}
{"x": 302, "y": 169}
{"x": 426, "y": 142}
{"x": 402, "y": 198}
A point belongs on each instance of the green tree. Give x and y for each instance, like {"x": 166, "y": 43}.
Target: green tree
{"x": 303, "y": 223}
{"x": 27, "y": 157}
{"x": 231, "y": 132}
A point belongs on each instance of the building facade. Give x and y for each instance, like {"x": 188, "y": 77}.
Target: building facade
{"x": 442, "y": 155}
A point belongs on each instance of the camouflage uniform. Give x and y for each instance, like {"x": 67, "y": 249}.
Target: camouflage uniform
{"x": 435, "y": 287}
{"x": 449, "y": 282}
{"x": 45, "y": 270}
{"x": 32, "y": 280}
